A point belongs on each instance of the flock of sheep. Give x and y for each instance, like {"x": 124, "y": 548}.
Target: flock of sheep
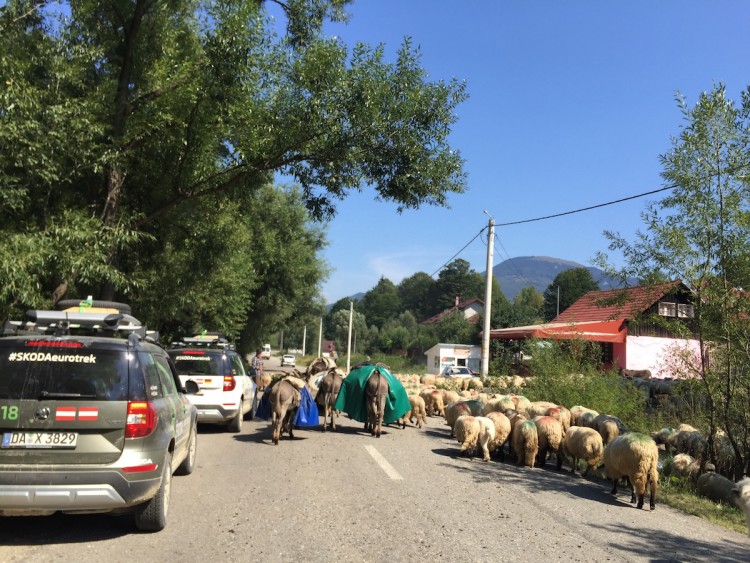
{"x": 533, "y": 431}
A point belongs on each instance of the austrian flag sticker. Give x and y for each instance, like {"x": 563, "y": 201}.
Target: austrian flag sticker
{"x": 88, "y": 413}
{"x": 65, "y": 413}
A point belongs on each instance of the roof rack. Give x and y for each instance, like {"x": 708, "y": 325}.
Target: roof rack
{"x": 205, "y": 339}
{"x": 63, "y": 323}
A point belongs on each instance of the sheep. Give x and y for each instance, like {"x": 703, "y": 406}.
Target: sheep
{"x": 539, "y": 408}
{"x": 498, "y": 404}
{"x": 609, "y": 427}
{"x": 716, "y": 488}
{"x": 486, "y": 435}
{"x": 433, "y": 402}
{"x": 577, "y": 411}
{"x": 453, "y": 411}
{"x": 515, "y": 420}
{"x": 449, "y": 396}
{"x": 741, "y": 494}
{"x": 549, "y": 432}
{"x": 525, "y": 442}
{"x": 635, "y": 456}
{"x": 561, "y": 414}
{"x": 417, "y": 412}
{"x": 665, "y": 436}
{"x": 586, "y": 420}
{"x": 502, "y": 431}
{"x": 582, "y": 443}
{"x": 467, "y": 430}
{"x": 427, "y": 379}
{"x": 522, "y": 403}
{"x": 683, "y": 465}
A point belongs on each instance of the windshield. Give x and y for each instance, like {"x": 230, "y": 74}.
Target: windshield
{"x": 201, "y": 362}
{"x": 48, "y": 370}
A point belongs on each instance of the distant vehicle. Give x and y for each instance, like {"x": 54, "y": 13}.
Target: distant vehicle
{"x": 266, "y": 352}
{"x": 94, "y": 417}
{"x": 222, "y": 390}
{"x": 288, "y": 360}
{"x": 458, "y": 371}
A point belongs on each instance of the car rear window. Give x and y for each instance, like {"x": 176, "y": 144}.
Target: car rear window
{"x": 58, "y": 370}
{"x": 198, "y": 362}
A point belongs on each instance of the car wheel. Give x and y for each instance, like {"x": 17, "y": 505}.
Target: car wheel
{"x": 235, "y": 425}
{"x": 188, "y": 464}
{"x": 151, "y": 516}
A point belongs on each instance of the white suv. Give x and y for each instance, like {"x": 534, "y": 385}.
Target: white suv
{"x": 288, "y": 360}
{"x": 214, "y": 374}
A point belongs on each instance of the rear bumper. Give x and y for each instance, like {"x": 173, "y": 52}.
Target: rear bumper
{"x": 33, "y": 492}
{"x": 216, "y": 413}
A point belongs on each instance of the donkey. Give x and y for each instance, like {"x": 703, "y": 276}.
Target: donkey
{"x": 284, "y": 399}
{"x": 376, "y": 390}
{"x": 328, "y": 390}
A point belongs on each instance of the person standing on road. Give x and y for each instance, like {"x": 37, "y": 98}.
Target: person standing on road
{"x": 257, "y": 365}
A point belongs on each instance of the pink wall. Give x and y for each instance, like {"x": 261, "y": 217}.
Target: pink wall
{"x": 664, "y": 357}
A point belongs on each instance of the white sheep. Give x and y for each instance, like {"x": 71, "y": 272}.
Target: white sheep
{"x": 582, "y": 443}
{"x": 486, "y": 435}
{"x": 417, "y": 412}
{"x": 742, "y": 498}
{"x": 577, "y": 411}
{"x": 539, "y": 408}
{"x": 549, "y": 437}
{"x": 502, "y": 431}
{"x": 467, "y": 430}
{"x": 525, "y": 442}
{"x": 635, "y": 456}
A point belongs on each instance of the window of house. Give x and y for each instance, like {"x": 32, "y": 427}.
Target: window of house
{"x": 685, "y": 311}
{"x": 668, "y": 309}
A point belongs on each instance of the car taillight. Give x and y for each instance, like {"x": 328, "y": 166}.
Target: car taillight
{"x": 229, "y": 383}
{"x": 141, "y": 420}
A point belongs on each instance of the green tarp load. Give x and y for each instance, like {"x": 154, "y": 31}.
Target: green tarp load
{"x": 351, "y": 398}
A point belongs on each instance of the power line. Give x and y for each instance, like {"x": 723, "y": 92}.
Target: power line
{"x": 587, "y": 208}
{"x": 459, "y": 252}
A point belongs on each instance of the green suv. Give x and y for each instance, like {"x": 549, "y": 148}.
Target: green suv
{"x": 92, "y": 417}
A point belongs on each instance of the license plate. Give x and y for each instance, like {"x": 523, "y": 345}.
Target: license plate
{"x": 39, "y": 440}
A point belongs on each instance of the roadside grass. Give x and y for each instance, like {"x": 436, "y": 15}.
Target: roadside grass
{"x": 681, "y": 495}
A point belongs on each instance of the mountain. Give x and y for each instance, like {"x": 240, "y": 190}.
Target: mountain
{"x": 539, "y": 271}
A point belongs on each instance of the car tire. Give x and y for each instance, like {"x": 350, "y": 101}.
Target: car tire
{"x": 235, "y": 425}
{"x": 188, "y": 464}
{"x": 151, "y": 516}
{"x": 123, "y": 308}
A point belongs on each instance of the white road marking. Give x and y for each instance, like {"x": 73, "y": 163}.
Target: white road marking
{"x": 384, "y": 465}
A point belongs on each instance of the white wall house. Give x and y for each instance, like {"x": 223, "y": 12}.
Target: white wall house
{"x": 442, "y": 355}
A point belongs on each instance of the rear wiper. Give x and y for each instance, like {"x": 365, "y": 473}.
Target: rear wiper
{"x": 46, "y": 396}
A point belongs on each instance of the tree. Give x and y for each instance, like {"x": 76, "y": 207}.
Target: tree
{"x": 415, "y": 292}
{"x": 700, "y": 233}
{"x": 457, "y": 279}
{"x": 571, "y": 285}
{"x": 381, "y": 303}
{"x": 173, "y": 104}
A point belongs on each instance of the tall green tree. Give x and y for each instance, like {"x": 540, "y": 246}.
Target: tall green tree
{"x": 415, "y": 292}
{"x": 570, "y": 285}
{"x": 700, "y": 233}
{"x": 119, "y": 119}
{"x": 456, "y": 280}
{"x": 381, "y": 303}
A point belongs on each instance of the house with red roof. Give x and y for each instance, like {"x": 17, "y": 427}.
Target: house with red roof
{"x": 621, "y": 321}
{"x": 471, "y": 309}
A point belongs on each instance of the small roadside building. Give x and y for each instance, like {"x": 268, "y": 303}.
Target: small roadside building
{"x": 618, "y": 319}
{"x": 443, "y": 355}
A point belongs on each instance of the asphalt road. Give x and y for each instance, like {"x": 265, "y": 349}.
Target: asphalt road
{"x": 347, "y": 496}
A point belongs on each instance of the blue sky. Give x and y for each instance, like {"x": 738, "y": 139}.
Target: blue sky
{"x": 571, "y": 104}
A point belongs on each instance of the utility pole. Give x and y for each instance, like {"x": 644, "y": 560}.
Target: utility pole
{"x": 558, "y": 300}
{"x": 349, "y": 341}
{"x": 488, "y": 297}
{"x": 320, "y": 338}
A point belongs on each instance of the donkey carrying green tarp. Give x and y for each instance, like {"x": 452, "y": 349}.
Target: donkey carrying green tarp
{"x": 352, "y": 398}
